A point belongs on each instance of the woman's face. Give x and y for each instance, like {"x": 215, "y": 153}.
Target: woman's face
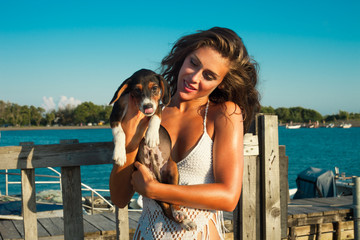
{"x": 202, "y": 71}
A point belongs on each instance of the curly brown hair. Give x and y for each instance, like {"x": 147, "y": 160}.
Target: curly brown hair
{"x": 237, "y": 86}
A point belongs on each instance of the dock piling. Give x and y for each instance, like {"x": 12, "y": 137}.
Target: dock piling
{"x": 356, "y": 207}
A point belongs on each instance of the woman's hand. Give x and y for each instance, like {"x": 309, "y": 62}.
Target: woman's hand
{"x": 143, "y": 180}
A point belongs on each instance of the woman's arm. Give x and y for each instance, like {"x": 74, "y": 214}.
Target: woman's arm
{"x": 134, "y": 126}
{"x": 228, "y": 170}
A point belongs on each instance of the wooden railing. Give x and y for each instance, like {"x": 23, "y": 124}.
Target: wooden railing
{"x": 68, "y": 156}
{"x": 262, "y": 209}
{"x": 259, "y": 214}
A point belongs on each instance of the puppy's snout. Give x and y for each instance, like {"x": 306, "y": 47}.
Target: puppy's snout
{"x": 148, "y": 105}
{"x": 148, "y": 108}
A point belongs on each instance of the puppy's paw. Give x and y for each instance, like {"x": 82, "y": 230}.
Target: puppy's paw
{"x": 119, "y": 156}
{"x": 188, "y": 225}
{"x": 152, "y": 138}
{"x": 179, "y": 216}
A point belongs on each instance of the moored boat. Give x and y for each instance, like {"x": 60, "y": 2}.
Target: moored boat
{"x": 297, "y": 126}
{"x": 346, "y": 125}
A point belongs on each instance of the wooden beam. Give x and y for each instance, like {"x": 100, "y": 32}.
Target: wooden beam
{"x": 245, "y": 214}
{"x": 56, "y": 155}
{"x": 271, "y": 219}
{"x": 284, "y": 189}
{"x": 71, "y": 192}
{"x": 29, "y": 203}
{"x": 122, "y": 223}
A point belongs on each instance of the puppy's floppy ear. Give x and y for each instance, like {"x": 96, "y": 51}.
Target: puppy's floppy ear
{"x": 120, "y": 91}
{"x": 165, "y": 90}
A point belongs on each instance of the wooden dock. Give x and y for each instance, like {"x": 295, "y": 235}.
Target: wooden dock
{"x": 97, "y": 226}
{"x": 330, "y": 218}
{"x": 321, "y": 218}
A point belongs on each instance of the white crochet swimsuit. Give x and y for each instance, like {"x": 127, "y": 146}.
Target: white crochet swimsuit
{"x": 195, "y": 168}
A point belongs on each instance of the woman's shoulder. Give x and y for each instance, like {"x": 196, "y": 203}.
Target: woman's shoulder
{"x": 227, "y": 115}
{"x": 226, "y": 109}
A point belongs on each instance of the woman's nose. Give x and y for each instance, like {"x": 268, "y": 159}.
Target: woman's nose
{"x": 196, "y": 77}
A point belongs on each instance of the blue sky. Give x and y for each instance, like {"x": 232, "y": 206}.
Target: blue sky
{"x": 67, "y": 52}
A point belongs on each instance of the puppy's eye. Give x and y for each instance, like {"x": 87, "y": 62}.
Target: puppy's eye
{"x": 154, "y": 89}
{"x": 137, "y": 92}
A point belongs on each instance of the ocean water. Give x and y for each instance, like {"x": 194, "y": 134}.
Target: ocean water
{"x": 324, "y": 148}
{"x": 95, "y": 176}
{"x": 321, "y": 147}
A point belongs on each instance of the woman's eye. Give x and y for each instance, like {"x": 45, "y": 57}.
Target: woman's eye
{"x": 193, "y": 62}
{"x": 208, "y": 76}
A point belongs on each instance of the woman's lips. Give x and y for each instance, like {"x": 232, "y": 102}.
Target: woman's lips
{"x": 188, "y": 87}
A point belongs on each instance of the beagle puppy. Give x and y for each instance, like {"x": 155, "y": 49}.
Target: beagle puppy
{"x": 150, "y": 92}
{"x": 147, "y": 89}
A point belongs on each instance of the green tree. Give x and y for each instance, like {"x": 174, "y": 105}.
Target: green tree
{"x": 50, "y": 117}
{"x": 14, "y": 114}
{"x": 65, "y": 116}
{"x": 343, "y": 115}
{"x": 36, "y": 115}
{"x": 283, "y": 114}
{"x": 87, "y": 112}
{"x": 105, "y": 112}
{"x": 269, "y": 109}
{"x": 311, "y": 115}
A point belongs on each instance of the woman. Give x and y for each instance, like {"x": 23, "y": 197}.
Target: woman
{"x": 212, "y": 81}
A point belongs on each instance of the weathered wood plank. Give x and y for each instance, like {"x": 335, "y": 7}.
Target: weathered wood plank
{"x": 284, "y": 189}
{"x": 42, "y": 232}
{"x": 245, "y": 213}
{"x": 100, "y": 222}
{"x": 55, "y": 155}
{"x": 110, "y": 216}
{"x": 90, "y": 230}
{"x": 72, "y": 153}
{"x": 251, "y": 145}
{"x": 51, "y": 226}
{"x": 270, "y": 172}
{"x": 134, "y": 217}
{"x": 71, "y": 192}
{"x": 29, "y": 203}
{"x": 8, "y": 230}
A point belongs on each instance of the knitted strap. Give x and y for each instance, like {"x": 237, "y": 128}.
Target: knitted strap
{"x": 206, "y": 111}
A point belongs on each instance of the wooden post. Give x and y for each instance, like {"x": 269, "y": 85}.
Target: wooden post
{"x": 122, "y": 223}
{"x": 356, "y": 207}
{"x": 247, "y": 207}
{"x": 28, "y": 192}
{"x": 71, "y": 192}
{"x": 29, "y": 203}
{"x": 244, "y": 216}
{"x": 269, "y": 155}
{"x": 284, "y": 190}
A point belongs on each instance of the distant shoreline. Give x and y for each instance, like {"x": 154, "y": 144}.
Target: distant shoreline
{"x": 355, "y": 123}
{"x": 53, "y": 128}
